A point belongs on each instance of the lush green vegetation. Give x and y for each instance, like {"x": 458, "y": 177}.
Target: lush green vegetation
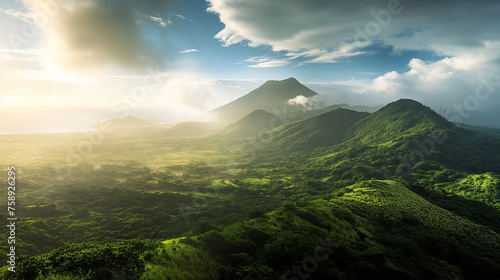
{"x": 256, "y": 123}
{"x": 325, "y": 130}
{"x": 85, "y": 261}
{"x": 348, "y": 199}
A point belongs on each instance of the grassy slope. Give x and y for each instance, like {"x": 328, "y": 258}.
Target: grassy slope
{"x": 252, "y": 125}
{"x": 324, "y": 130}
{"x": 302, "y": 115}
{"x": 399, "y": 127}
{"x": 384, "y": 230}
{"x": 400, "y": 139}
{"x": 378, "y": 222}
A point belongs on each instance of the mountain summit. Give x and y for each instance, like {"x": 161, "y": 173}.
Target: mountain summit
{"x": 288, "y": 89}
{"x": 411, "y": 132}
{"x": 399, "y": 119}
{"x": 273, "y": 96}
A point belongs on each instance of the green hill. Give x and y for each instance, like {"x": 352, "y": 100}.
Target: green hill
{"x": 414, "y": 132}
{"x": 305, "y": 114}
{"x": 192, "y": 128}
{"x": 402, "y": 138}
{"x": 370, "y": 230}
{"x": 130, "y": 122}
{"x": 325, "y": 130}
{"x": 256, "y": 123}
{"x": 398, "y": 120}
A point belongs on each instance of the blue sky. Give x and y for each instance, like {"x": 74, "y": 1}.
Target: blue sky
{"x": 93, "y": 56}
{"x": 199, "y": 28}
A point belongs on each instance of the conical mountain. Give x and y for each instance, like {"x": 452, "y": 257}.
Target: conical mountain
{"x": 252, "y": 125}
{"x": 272, "y": 96}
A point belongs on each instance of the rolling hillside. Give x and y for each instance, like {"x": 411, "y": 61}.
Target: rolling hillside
{"x": 302, "y": 115}
{"x": 193, "y": 128}
{"x": 254, "y": 124}
{"x": 397, "y": 194}
{"x": 413, "y": 131}
{"x": 327, "y": 129}
{"x": 370, "y": 230}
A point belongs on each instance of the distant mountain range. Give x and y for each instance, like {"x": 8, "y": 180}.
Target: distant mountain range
{"x": 285, "y": 102}
{"x": 479, "y": 129}
{"x": 403, "y": 134}
{"x": 289, "y": 100}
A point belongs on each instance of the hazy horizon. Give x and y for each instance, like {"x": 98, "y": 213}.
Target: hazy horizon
{"x": 68, "y": 65}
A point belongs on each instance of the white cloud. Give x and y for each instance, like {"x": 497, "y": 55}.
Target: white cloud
{"x": 258, "y": 59}
{"x": 187, "y": 91}
{"x": 328, "y": 31}
{"x": 341, "y": 54}
{"x": 446, "y": 83}
{"x": 182, "y": 17}
{"x": 190, "y": 51}
{"x": 17, "y": 14}
{"x": 271, "y": 63}
{"x": 299, "y": 100}
{"x": 305, "y": 102}
{"x": 266, "y": 62}
{"x": 159, "y": 20}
